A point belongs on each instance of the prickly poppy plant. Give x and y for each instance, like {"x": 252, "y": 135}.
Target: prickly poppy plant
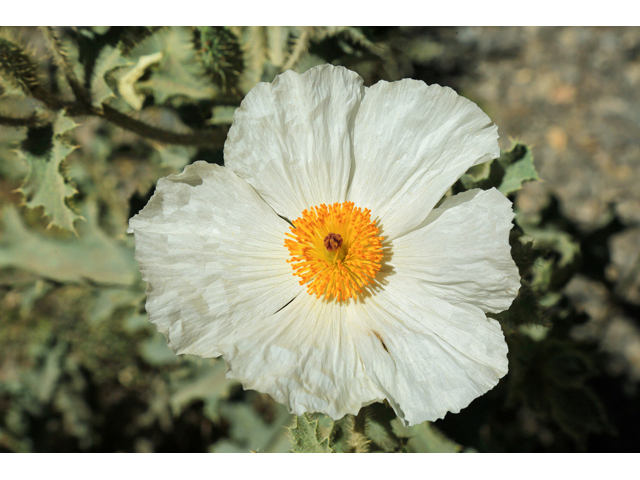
{"x": 352, "y": 259}
{"x": 321, "y": 262}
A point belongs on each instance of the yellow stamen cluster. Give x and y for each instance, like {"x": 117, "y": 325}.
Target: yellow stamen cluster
{"x": 335, "y": 249}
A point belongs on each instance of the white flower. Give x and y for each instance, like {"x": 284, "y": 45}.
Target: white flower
{"x": 224, "y": 267}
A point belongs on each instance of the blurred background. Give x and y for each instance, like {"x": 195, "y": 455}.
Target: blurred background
{"x": 92, "y": 117}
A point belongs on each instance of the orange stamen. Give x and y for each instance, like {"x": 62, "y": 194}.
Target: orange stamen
{"x": 335, "y": 250}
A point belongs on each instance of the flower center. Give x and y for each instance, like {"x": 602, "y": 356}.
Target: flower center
{"x": 332, "y": 242}
{"x": 335, "y": 250}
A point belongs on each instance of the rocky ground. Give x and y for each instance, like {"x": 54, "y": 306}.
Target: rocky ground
{"x": 574, "y": 94}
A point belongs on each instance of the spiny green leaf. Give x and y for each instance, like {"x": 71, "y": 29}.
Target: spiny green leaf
{"x": 553, "y": 273}
{"x": 270, "y": 50}
{"x": 45, "y": 185}
{"x": 485, "y": 176}
{"x": 523, "y": 251}
{"x": 369, "y": 431}
{"x": 377, "y": 427}
{"x": 17, "y": 66}
{"x": 63, "y": 124}
{"x": 277, "y": 44}
{"x": 179, "y": 73}
{"x": 221, "y": 55}
{"x": 110, "y": 59}
{"x": 72, "y": 56}
{"x": 70, "y": 401}
{"x": 133, "y": 36}
{"x": 175, "y": 157}
{"x": 308, "y": 61}
{"x": 62, "y": 57}
{"x": 250, "y": 432}
{"x": 536, "y": 333}
{"x": 507, "y": 173}
{"x": 127, "y": 81}
{"x": 305, "y": 436}
{"x": 253, "y": 41}
{"x": 549, "y": 377}
{"x": 92, "y": 256}
{"x": 518, "y": 166}
{"x": 560, "y": 241}
{"x": 346, "y": 438}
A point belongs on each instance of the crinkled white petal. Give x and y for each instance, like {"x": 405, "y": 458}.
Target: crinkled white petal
{"x": 428, "y": 356}
{"x": 213, "y": 256}
{"x": 305, "y": 357}
{"x": 412, "y": 141}
{"x": 292, "y": 139}
{"x": 211, "y": 248}
{"x": 462, "y": 254}
{"x": 422, "y": 353}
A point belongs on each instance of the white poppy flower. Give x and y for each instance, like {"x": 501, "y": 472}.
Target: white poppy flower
{"x": 373, "y": 294}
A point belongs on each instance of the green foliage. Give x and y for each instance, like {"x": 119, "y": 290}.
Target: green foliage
{"x": 46, "y": 185}
{"x": 518, "y": 167}
{"x": 102, "y": 83}
{"x": 80, "y": 297}
{"x": 132, "y": 37}
{"x": 541, "y": 274}
{"x": 35, "y": 389}
{"x": 17, "y": 67}
{"x": 306, "y": 437}
{"x": 526, "y": 308}
{"x": 10, "y": 140}
{"x": 13, "y": 101}
{"x": 347, "y": 437}
{"x": 378, "y": 429}
{"x": 80, "y": 358}
{"x": 374, "y": 429}
{"x": 46, "y": 358}
{"x": 550, "y": 376}
{"x": 425, "y": 438}
{"x": 93, "y": 256}
{"x": 486, "y": 175}
{"x": 220, "y": 54}
{"x": 165, "y": 57}
{"x": 548, "y": 372}
{"x": 178, "y": 72}
{"x": 111, "y": 72}
{"x": 553, "y": 273}
{"x": 254, "y": 429}
{"x": 558, "y": 255}
{"x": 205, "y": 381}
{"x": 507, "y": 173}
{"x": 579, "y": 412}
{"x": 271, "y": 50}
